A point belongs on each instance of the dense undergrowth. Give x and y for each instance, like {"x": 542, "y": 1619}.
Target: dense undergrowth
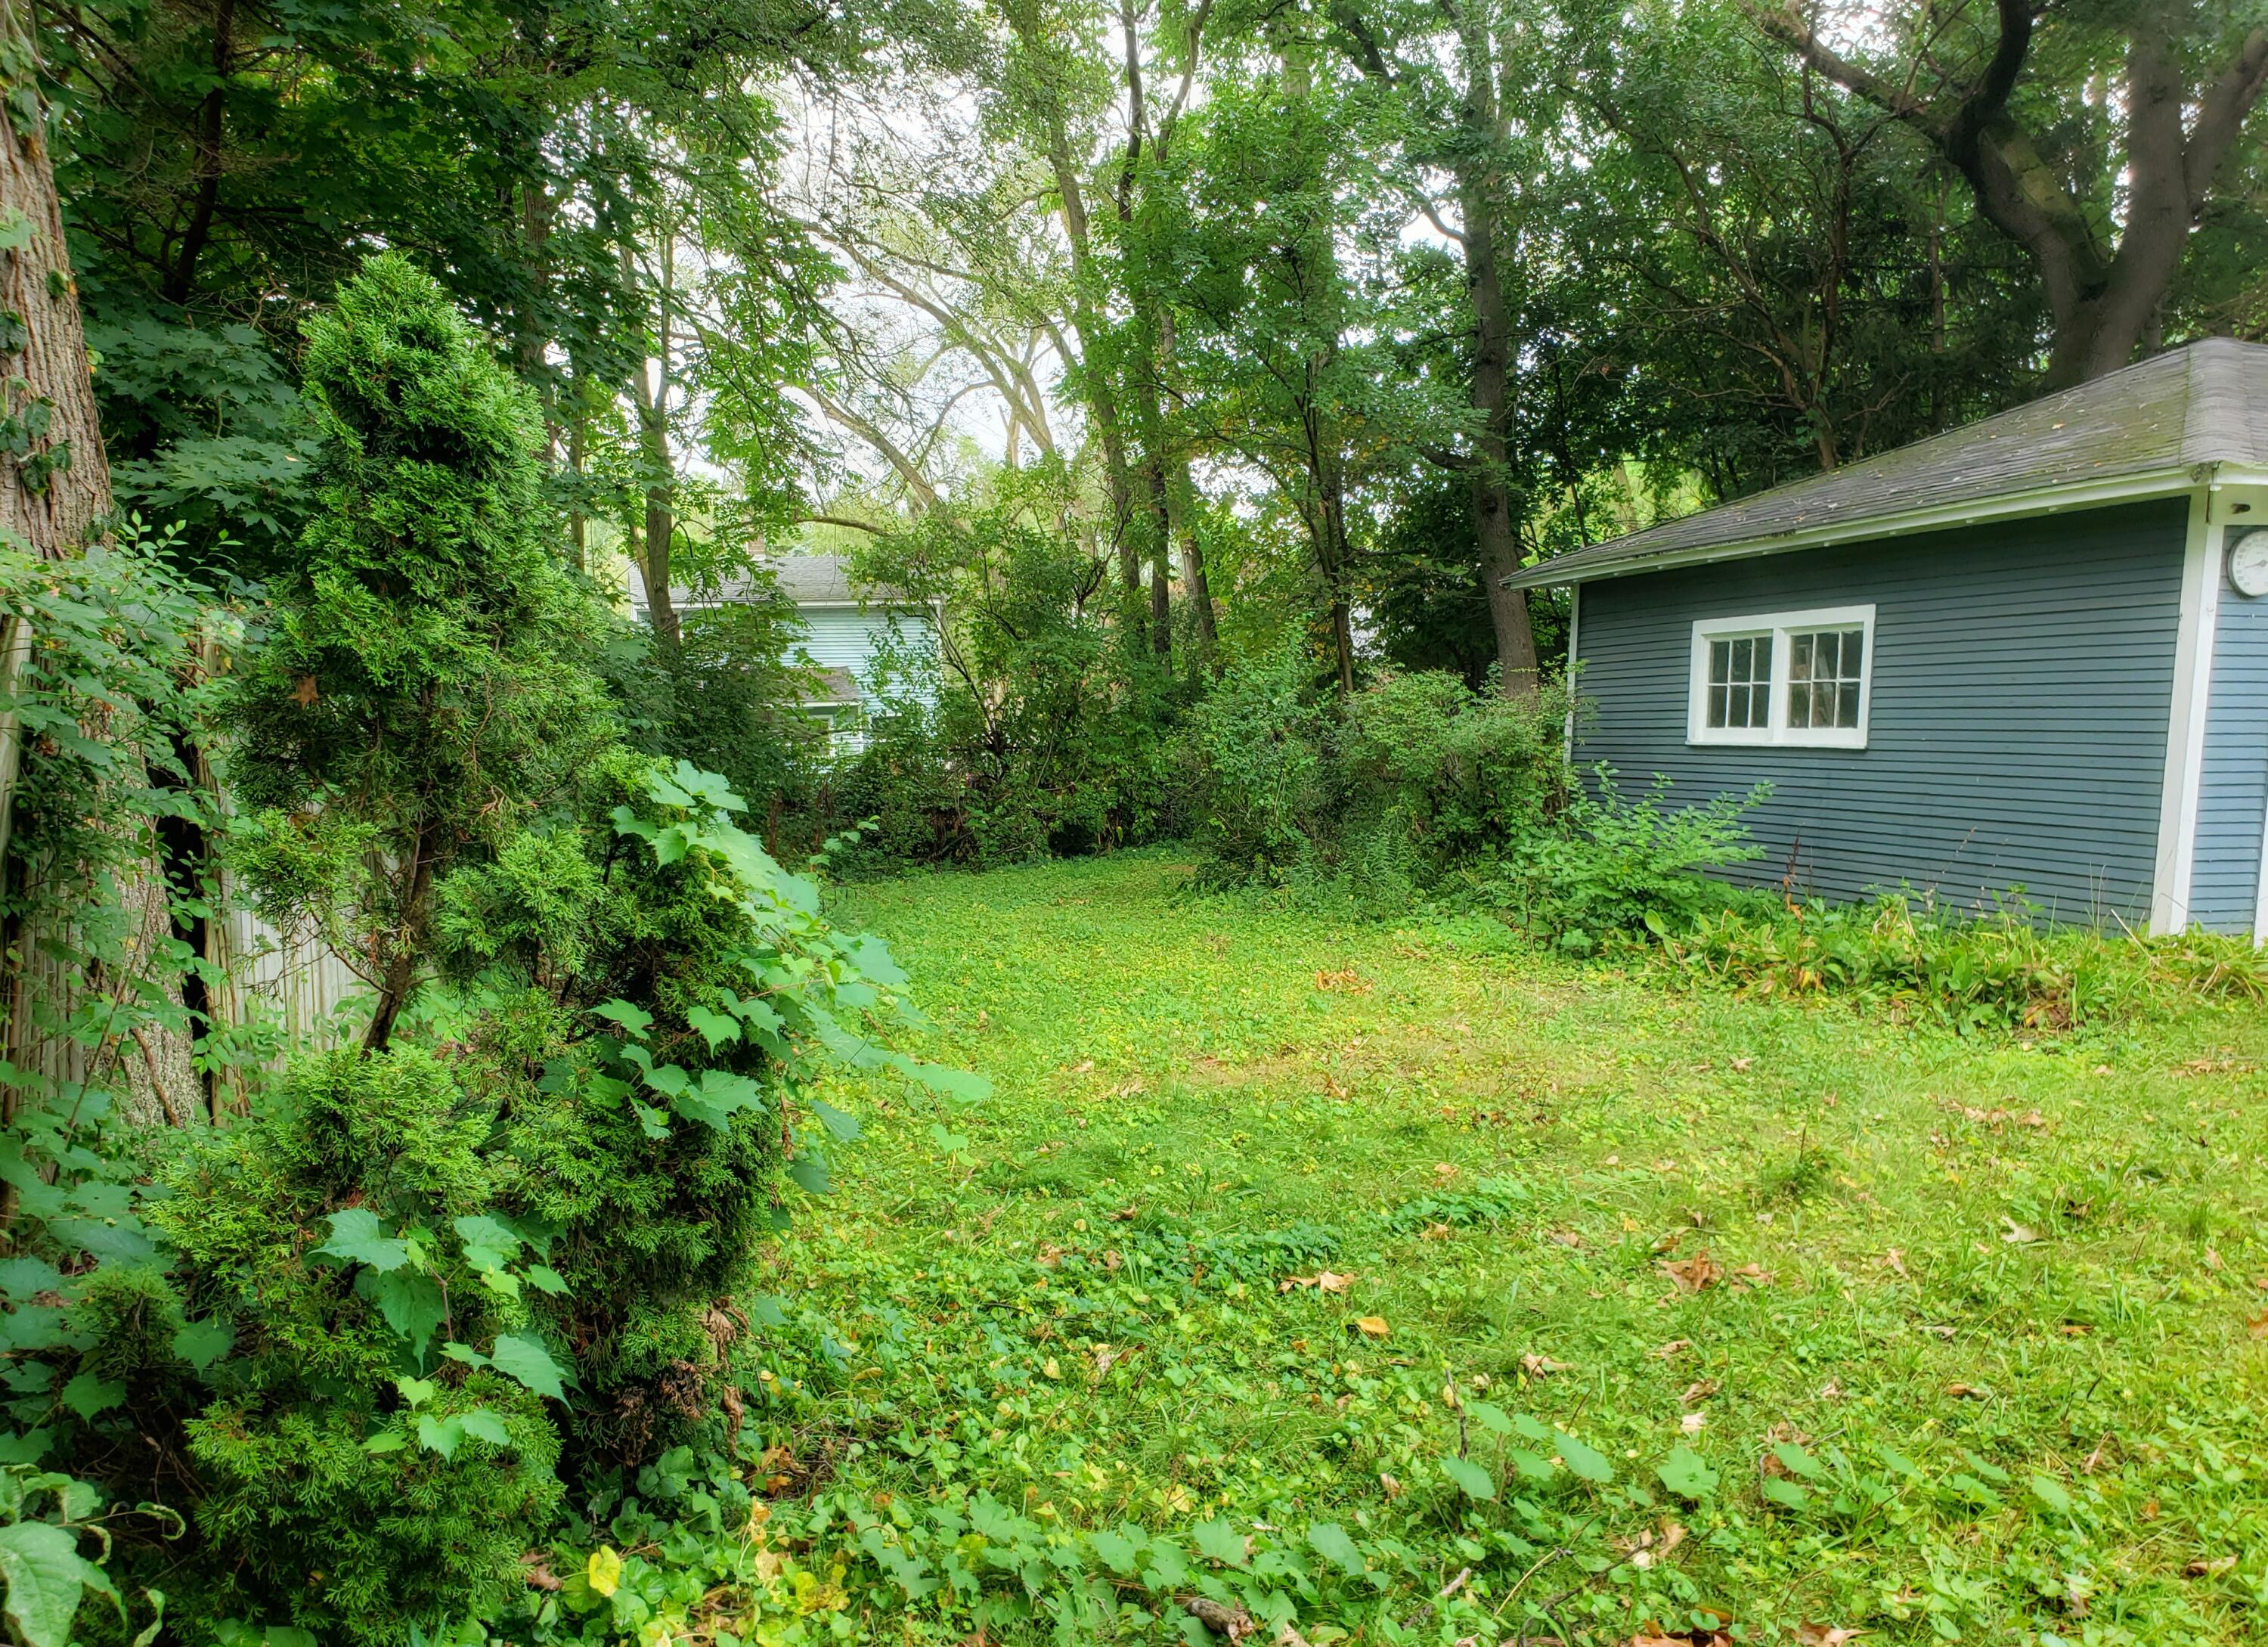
{"x": 320, "y": 1356}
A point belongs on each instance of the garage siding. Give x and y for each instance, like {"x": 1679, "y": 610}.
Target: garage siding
{"x": 2022, "y": 683}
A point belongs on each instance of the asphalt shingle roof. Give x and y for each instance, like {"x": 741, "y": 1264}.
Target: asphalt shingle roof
{"x": 2203, "y": 404}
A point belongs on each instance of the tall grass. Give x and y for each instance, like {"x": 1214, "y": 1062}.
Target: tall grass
{"x": 2000, "y": 971}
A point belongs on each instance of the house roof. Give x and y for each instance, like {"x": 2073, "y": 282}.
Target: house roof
{"x": 2156, "y": 425}
{"x": 829, "y": 689}
{"x": 805, "y": 579}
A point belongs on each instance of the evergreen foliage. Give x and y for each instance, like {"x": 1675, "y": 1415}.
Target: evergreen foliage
{"x": 362, "y": 1338}
{"x": 423, "y": 684}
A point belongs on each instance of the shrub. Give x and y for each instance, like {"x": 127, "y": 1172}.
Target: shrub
{"x": 1045, "y": 732}
{"x": 1260, "y": 744}
{"x": 363, "y": 1336}
{"x": 2003, "y": 969}
{"x": 1414, "y": 777}
{"x": 1612, "y": 866}
{"x": 424, "y": 686}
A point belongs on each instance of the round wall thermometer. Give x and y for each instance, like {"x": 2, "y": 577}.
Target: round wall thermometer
{"x": 2247, "y": 563}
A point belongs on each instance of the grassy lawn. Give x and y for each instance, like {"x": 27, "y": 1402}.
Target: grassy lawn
{"x": 1752, "y": 1318}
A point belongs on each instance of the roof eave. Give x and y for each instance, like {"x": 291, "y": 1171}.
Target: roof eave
{"x": 2040, "y": 500}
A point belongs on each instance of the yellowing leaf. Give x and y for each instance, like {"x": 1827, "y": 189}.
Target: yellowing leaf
{"x": 1372, "y": 1325}
{"x": 603, "y": 1572}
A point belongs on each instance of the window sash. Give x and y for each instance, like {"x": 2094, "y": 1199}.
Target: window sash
{"x": 1803, "y": 678}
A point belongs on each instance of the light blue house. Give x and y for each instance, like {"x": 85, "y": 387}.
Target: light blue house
{"x": 864, "y": 647}
{"x": 865, "y": 644}
{"x": 2031, "y": 653}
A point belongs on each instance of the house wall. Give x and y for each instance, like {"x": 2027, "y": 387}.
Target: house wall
{"x": 2233, "y": 794}
{"x": 847, "y": 638}
{"x": 2021, "y": 689}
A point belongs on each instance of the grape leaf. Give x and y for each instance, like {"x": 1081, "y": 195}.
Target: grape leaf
{"x": 715, "y": 1028}
{"x": 1585, "y": 1461}
{"x": 46, "y": 1577}
{"x": 1329, "y": 1540}
{"x": 201, "y": 1343}
{"x": 1220, "y": 1542}
{"x": 359, "y": 1238}
{"x": 484, "y": 1425}
{"x": 1686, "y": 1474}
{"x": 636, "y": 1020}
{"x": 844, "y": 1127}
{"x": 1473, "y": 1481}
{"x": 519, "y": 1356}
{"x": 413, "y": 1305}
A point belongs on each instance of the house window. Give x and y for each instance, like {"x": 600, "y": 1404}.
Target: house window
{"x": 1740, "y": 681}
{"x": 1782, "y": 677}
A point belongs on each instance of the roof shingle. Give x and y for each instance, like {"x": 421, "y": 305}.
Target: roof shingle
{"x": 2203, "y": 404}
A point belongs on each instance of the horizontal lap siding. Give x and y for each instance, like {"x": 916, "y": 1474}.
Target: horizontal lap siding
{"x": 2233, "y": 799}
{"x": 2022, "y": 682}
{"x": 847, "y": 638}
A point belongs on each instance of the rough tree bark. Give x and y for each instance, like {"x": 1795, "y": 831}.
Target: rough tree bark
{"x": 1496, "y": 526}
{"x": 2104, "y": 302}
{"x": 55, "y": 495}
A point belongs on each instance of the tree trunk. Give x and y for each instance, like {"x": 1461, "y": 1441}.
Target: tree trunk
{"x": 1180, "y": 492}
{"x": 54, "y": 498}
{"x": 2103, "y": 303}
{"x": 578, "y": 524}
{"x": 1095, "y": 387}
{"x": 660, "y": 486}
{"x": 51, "y": 497}
{"x": 1495, "y": 527}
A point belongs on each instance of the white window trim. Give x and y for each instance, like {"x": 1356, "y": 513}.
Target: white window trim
{"x": 1779, "y": 626}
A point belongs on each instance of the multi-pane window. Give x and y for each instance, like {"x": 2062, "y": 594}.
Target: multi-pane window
{"x": 1823, "y": 673}
{"x": 1740, "y": 681}
{"x": 1783, "y": 678}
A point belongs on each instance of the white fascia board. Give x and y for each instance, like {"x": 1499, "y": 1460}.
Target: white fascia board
{"x": 2045, "y": 500}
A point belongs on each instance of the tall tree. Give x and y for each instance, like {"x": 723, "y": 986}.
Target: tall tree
{"x": 2104, "y": 203}
{"x": 1447, "y": 68}
{"x": 55, "y": 497}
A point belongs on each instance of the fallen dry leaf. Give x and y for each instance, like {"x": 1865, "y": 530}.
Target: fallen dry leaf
{"x": 305, "y": 692}
{"x": 1569, "y": 1238}
{"x": 1741, "y": 1063}
{"x": 1676, "y": 1347}
{"x": 2259, "y": 1325}
{"x": 1699, "y": 1390}
{"x": 1968, "y": 1391}
{"x": 1543, "y": 1366}
{"x": 1825, "y": 1635}
{"x": 1830, "y": 1391}
{"x": 2018, "y": 1234}
{"x": 1752, "y": 1275}
{"x": 1691, "y": 1275}
{"x": 2202, "y": 1568}
{"x": 1347, "y": 981}
{"x": 1693, "y": 1423}
{"x": 1436, "y": 1232}
{"x": 1082, "y": 1068}
{"x": 1895, "y": 1259}
{"x": 1392, "y": 1484}
{"x": 1371, "y": 1326}
{"x": 1445, "y": 1169}
{"x": 2212, "y": 1259}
